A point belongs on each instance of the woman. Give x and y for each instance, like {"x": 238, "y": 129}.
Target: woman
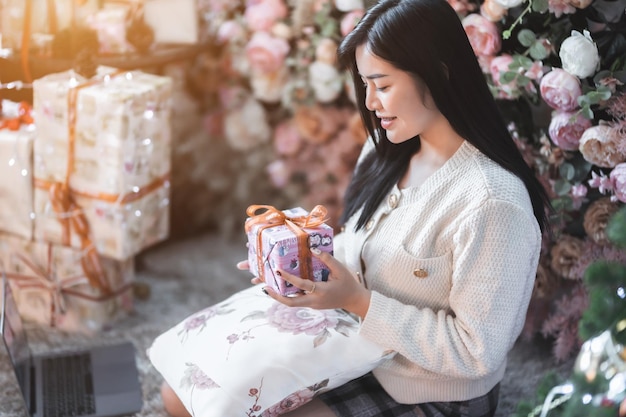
{"x": 442, "y": 225}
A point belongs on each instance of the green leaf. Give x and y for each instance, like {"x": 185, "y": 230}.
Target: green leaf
{"x": 587, "y": 112}
{"x": 567, "y": 171}
{"x": 526, "y": 37}
{"x": 538, "y": 51}
{"x": 562, "y": 187}
{"x": 507, "y": 77}
{"x": 540, "y": 6}
{"x": 616, "y": 228}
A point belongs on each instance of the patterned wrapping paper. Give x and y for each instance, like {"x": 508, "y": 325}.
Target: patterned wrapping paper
{"x": 276, "y": 247}
{"x": 50, "y": 287}
{"x": 16, "y": 181}
{"x": 119, "y": 158}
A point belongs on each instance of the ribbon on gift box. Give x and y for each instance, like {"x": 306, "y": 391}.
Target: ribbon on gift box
{"x": 46, "y": 279}
{"x": 273, "y": 217}
{"x": 23, "y": 117}
{"x": 26, "y": 32}
{"x": 69, "y": 213}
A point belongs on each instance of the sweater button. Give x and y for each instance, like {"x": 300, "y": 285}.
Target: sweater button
{"x": 420, "y": 273}
{"x": 392, "y": 201}
{"x": 369, "y": 225}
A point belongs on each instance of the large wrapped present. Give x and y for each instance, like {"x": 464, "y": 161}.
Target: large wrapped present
{"x": 17, "y": 133}
{"x": 51, "y": 287}
{"x": 40, "y": 16}
{"x": 282, "y": 240}
{"x": 102, "y": 160}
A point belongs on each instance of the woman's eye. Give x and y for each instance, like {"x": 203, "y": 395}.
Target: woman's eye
{"x": 381, "y": 88}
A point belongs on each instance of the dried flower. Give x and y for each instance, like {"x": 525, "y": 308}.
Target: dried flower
{"x": 598, "y": 146}
{"x": 596, "y": 218}
{"x": 565, "y": 253}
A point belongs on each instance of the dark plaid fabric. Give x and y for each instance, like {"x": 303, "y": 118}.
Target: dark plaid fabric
{"x": 364, "y": 397}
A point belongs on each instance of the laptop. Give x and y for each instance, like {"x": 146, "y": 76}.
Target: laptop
{"x": 96, "y": 382}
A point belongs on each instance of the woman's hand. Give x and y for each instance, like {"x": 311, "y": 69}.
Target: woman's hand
{"x": 342, "y": 290}
{"x": 245, "y": 266}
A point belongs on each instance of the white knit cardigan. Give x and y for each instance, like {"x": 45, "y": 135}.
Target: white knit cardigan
{"x": 451, "y": 265}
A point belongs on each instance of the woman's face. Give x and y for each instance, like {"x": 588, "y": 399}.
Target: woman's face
{"x": 395, "y": 98}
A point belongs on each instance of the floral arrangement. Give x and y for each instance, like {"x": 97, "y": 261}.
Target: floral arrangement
{"x": 556, "y": 67}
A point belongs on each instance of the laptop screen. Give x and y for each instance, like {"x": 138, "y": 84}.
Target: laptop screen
{"x": 14, "y": 335}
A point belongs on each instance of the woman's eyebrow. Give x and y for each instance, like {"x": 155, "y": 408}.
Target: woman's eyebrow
{"x": 373, "y": 76}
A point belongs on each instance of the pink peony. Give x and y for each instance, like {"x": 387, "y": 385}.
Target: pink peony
{"x": 349, "y": 21}
{"x": 560, "y": 90}
{"x": 566, "y": 128}
{"x": 266, "y": 53}
{"x": 618, "y": 178}
{"x": 297, "y": 320}
{"x": 261, "y": 15}
{"x": 482, "y": 33}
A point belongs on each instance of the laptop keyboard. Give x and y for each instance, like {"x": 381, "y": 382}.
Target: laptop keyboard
{"x": 68, "y": 386}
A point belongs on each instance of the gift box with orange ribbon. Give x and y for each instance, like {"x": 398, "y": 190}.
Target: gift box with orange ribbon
{"x": 102, "y": 160}
{"x": 17, "y": 133}
{"x": 282, "y": 240}
{"x": 51, "y": 288}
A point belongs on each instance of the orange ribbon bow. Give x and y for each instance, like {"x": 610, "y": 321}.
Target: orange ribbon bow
{"x": 273, "y": 217}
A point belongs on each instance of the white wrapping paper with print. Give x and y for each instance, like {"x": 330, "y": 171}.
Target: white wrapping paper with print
{"x": 251, "y": 355}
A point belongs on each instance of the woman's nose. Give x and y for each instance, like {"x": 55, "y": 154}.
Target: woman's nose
{"x": 371, "y": 102}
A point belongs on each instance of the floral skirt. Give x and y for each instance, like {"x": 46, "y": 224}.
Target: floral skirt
{"x": 365, "y": 397}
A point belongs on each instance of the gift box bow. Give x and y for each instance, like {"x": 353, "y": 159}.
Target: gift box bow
{"x": 45, "y": 278}
{"x": 273, "y": 217}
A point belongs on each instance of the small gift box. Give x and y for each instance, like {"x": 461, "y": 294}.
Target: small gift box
{"x": 17, "y": 133}
{"x": 102, "y": 160}
{"x": 51, "y": 287}
{"x": 282, "y": 240}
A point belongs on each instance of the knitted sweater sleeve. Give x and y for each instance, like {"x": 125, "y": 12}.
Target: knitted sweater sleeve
{"x": 495, "y": 251}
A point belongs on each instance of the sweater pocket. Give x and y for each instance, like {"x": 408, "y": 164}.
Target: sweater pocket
{"x": 423, "y": 282}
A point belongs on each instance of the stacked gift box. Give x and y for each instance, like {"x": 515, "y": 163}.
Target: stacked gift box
{"x": 84, "y": 188}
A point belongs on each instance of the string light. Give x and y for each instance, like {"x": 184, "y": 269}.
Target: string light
{"x": 15, "y": 85}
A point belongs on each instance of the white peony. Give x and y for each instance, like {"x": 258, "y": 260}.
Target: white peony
{"x": 325, "y": 81}
{"x": 579, "y": 55}
{"x": 246, "y": 127}
{"x": 507, "y": 4}
{"x": 349, "y": 5}
{"x": 269, "y": 87}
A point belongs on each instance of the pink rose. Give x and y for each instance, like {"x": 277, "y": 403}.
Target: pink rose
{"x": 618, "y": 177}
{"x": 565, "y": 132}
{"x": 229, "y": 31}
{"x": 287, "y": 139}
{"x": 260, "y": 15}
{"x": 266, "y": 53}
{"x": 297, "y": 320}
{"x": 349, "y": 21}
{"x": 279, "y": 173}
{"x": 482, "y": 34}
{"x": 560, "y": 90}
{"x": 498, "y": 66}
{"x": 560, "y": 7}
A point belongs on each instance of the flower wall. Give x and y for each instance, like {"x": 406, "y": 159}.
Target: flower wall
{"x": 285, "y": 116}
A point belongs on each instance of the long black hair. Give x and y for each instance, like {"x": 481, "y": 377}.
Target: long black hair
{"x": 426, "y": 39}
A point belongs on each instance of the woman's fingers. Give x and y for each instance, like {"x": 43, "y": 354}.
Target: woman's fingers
{"x": 243, "y": 265}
